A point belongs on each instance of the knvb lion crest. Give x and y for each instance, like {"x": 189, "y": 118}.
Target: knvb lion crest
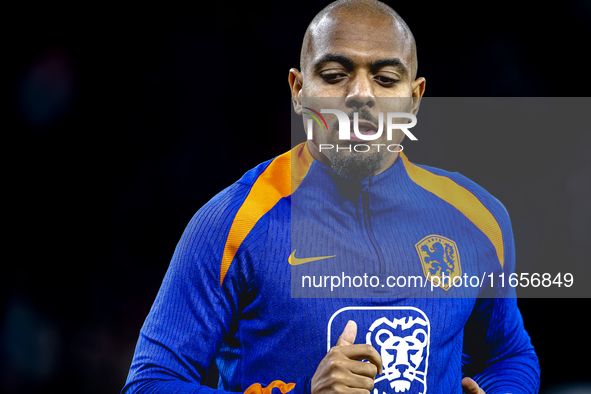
{"x": 439, "y": 258}
{"x": 400, "y": 334}
{"x": 404, "y": 347}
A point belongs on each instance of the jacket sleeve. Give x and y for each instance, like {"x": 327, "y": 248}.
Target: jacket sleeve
{"x": 193, "y": 312}
{"x": 498, "y": 353}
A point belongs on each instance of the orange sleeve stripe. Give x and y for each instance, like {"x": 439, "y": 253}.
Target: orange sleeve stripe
{"x": 258, "y": 389}
{"x": 281, "y": 178}
{"x": 462, "y": 199}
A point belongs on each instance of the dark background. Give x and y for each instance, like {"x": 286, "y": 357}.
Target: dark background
{"x": 123, "y": 121}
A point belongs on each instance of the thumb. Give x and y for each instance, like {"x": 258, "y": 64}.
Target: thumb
{"x": 348, "y": 335}
{"x": 469, "y": 386}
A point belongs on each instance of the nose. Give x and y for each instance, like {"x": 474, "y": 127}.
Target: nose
{"x": 401, "y": 368}
{"x": 360, "y": 92}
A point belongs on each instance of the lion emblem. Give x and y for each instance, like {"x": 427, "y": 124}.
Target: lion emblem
{"x": 403, "y": 345}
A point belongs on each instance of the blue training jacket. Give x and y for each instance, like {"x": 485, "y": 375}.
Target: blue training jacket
{"x": 267, "y": 274}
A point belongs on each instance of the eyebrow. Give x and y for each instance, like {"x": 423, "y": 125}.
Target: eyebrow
{"x": 348, "y": 63}
{"x": 394, "y": 62}
{"x": 329, "y": 57}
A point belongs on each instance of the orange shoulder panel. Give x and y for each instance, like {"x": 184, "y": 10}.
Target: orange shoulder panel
{"x": 280, "y": 179}
{"x": 462, "y": 199}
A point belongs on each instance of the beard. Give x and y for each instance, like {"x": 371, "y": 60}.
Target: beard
{"x": 356, "y": 165}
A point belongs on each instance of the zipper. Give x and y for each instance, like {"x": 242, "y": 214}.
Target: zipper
{"x": 368, "y": 228}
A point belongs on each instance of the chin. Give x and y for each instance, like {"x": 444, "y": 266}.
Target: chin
{"x": 356, "y": 165}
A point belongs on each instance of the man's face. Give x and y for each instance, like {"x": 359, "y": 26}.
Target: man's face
{"x": 358, "y": 64}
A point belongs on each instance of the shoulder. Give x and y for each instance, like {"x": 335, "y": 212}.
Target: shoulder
{"x": 480, "y": 207}
{"x": 491, "y": 203}
{"x": 217, "y": 232}
{"x": 239, "y": 207}
{"x": 215, "y": 218}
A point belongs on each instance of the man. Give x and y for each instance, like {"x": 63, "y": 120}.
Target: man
{"x": 227, "y": 296}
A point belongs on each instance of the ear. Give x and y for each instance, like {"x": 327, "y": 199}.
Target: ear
{"x": 295, "y": 85}
{"x": 379, "y": 334}
{"x": 418, "y": 88}
{"x": 420, "y": 331}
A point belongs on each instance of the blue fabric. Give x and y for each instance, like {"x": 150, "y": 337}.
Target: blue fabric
{"x": 257, "y": 332}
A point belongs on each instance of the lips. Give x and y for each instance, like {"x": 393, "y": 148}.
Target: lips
{"x": 365, "y": 127}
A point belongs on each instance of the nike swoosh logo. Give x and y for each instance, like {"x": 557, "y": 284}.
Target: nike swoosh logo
{"x": 295, "y": 261}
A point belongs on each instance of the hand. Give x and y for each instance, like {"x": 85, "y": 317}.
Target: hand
{"x": 471, "y": 387}
{"x": 339, "y": 372}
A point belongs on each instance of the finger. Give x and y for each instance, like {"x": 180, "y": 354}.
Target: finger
{"x": 356, "y": 382}
{"x": 362, "y": 368}
{"x": 363, "y": 352}
{"x": 350, "y": 390}
{"x": 348, "y": 335}
{"x": 471, "y": 387}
